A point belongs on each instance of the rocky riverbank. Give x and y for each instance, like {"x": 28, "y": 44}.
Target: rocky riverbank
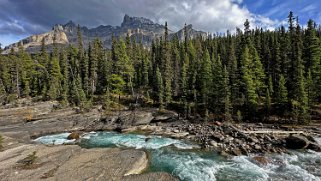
{"x": 27, "y": 120}
{"x": 70, "y": 162}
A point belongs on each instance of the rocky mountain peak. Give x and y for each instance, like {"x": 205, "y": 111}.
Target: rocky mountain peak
{"x": 57, "y": 27}
{"x": 138, "y": 28}
{"x": 189, "y": 27}
{"x": 70, "y": 24}
{"x": 135, "y": 21}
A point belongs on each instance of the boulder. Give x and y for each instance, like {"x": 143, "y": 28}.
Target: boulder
{"x": 261, "y": 160}
{"x": 165, "y": 116}
{"x": 217, "y": 137}
{"x": 297, "y": 142}
{"x": 73, "y": 136}
{"x": 244, "y": 150}
{"x": 179, "y": 135}
{"x": 236, "y": 152}
{"x": 257, "y": 147}
{"x": 142, "y": 118}
{"x": 213, "y": 143}
{"x": 314, "y": 147}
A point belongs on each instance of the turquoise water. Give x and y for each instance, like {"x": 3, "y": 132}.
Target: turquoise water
{"x": 189, "y": 163}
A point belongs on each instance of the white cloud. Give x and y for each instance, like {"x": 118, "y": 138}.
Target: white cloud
{"x": 207, "y": 15}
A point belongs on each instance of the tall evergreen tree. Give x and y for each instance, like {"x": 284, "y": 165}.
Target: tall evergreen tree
{"x": 160, "y": 88}
{"x": 55, "y": 76}
{"x": 312, "y": 58}
{"x": 167, "y": 67}
{"x": 206, "y": 78}
{"x": 226, "y": 96}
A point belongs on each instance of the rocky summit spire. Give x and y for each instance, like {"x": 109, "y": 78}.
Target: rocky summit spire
{"x": 135, "y": 22}
{"x": 70, "y": 24}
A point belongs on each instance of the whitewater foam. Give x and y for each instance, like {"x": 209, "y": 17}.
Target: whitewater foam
{"x": 57, "y": 139}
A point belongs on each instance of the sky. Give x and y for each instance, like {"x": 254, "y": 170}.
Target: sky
{"x": 22, "y": 18}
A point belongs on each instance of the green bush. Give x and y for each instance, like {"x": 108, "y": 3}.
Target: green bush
{"x": 30, "y": 159}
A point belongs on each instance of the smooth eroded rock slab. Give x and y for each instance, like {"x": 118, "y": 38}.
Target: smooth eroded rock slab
{"x": 71, "y": 163}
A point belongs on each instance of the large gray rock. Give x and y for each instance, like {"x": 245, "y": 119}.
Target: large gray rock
{"x": 297, "y": 142}
{"x": 135, "y": 118}
{"x": 315, "y": 147}
{"x": 142, "y": 118}
{"x": 71, "y": 163}
{"x": 165, "y": 116}
{"x": 102, "y": 164}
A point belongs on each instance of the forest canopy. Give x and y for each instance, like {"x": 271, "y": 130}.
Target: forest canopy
{"x": 253, "y": 74}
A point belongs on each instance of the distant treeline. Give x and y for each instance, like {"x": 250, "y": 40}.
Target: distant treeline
{"x": 250, "y": 75}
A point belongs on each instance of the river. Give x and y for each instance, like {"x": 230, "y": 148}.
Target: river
{"x": 188, "y": 162}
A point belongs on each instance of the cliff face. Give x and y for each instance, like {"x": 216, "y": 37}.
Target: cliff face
{"x": 34, "y": 42}
{"x": 140, "y": 29}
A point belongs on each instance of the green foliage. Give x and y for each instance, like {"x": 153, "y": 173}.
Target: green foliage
{"x": 249, "y": 82}
{"x": 55, "y": 78}
{"x": 123, "y": 65}
{"x": 29, "y": 160}
{"x": 239, "y": 116}
{"x": 256, "y": 71}
{"x": 160, "y": 88}
{"x": 206, "y": 77}
{"x": 268, "y": 102}
{"x": 282, "y": 94}
{"x": 117, "y": 84}
{"x": 228, "y": 109}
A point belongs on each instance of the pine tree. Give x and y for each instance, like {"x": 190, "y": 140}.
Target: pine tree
{"x": 249, "y": 84}
{"x": 183, "y": 82}
{"x": 63, "y": 63}
{"x": 160, "y": 88}
{"x": 123, "y": 66}
{"x": 282, "y": 94}
{"x": 103, "y": 72}
{"x": 26, "y": 66}
{"x": 267, "y": 102}
{"x": 83, "y": 62}
{"x": 206, "y": 78}
{"x": 270, "y": 86}
{"x": 93, "y": 52}
{"x": 117, "y": 84}
{"x": 312, "y": 58}
{"x": 227, "y": 94}
{"x": 298, "y": 95}
{"x": 145, "y": 70}
{"x": 258, "y": 75}
{"x": 217, "y": 86}
{"x": 310, "y": 89}
{"x": 167, "y": 67}
{"x": 55, "y": 77}
{"x": 176, "y": 64}
{"x": 232, "y": 68}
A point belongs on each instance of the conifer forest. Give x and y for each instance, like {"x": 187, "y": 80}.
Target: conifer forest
{"x": 251, "y": 74}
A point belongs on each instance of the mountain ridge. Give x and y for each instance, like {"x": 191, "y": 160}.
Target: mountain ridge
{"x": 138, "y": 28}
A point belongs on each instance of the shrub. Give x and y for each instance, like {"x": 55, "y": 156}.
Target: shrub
{"x": 30, "y": 159}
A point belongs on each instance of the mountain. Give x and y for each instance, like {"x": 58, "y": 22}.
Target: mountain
{"x": 138, "y": 28}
